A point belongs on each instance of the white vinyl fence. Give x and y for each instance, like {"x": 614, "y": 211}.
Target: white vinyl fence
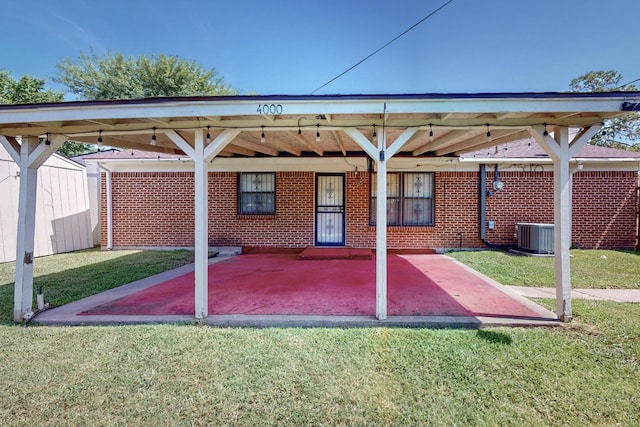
{"x": 63, "y": 221}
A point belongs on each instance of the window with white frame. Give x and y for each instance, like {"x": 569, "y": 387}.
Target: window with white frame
{"x": 409, "y": 199}
{"x": 257, "y": 193}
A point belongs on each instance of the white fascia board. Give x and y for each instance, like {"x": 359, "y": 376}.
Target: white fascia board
{"x": 249, "y": 107}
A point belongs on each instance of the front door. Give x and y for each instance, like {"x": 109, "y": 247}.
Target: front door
{"x": 330, "y": 200}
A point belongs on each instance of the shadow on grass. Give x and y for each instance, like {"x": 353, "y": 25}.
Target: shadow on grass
{"x": 91, "y": 272}
{"x": 494, "y": 337}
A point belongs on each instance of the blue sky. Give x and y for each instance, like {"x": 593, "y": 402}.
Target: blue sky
{"x": 293, "y": 47}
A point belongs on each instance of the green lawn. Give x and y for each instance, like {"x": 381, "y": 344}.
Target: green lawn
{"x": 583, "y": 373}
{"x": 600, "y": 269}
{"x": 70, "y": 277}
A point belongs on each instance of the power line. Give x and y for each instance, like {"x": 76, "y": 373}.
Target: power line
{"x": 380, "y": 48}
{"x": 626, "y": 84}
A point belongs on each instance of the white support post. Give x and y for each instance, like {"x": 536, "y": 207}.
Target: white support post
{"x": 201, "y": 228}
{"x": 381, "y": 228}
{"x": 201, "y": 156}
{"x": 561, "y": 151}
{"x": 562, "y": 225}
{"x": 29, "y": 156}
{"x": 381, "y": 156}
{"x": 23, "y": 293}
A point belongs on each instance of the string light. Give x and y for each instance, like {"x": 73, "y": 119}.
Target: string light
{"x": 100, "y": 138}
{"x": 375, "y": 135}
{"x": 46, "y": 141}
{"x": 317, "y": 133}
{"x": 488, "y": 133}
{"x": 430, "y": 133}
{"x": 153, "y": 138}
{"x": 208, "y": 134}
{"x": 545, "y": 133}
{"x": 263, "y": 139}
{"x": 529, "y": 144}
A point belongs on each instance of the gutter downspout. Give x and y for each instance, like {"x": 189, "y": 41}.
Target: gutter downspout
{"x": 482, "y": 203}
{"x": 109, "y": 207}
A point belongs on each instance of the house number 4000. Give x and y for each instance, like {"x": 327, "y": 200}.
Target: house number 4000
{"x": 269, "y": 108}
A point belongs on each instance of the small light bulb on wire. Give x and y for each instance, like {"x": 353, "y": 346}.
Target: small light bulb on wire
{"x": 263, "y": 139}
{"x": 430, "y": 133}
{"x": 317, "y": 133}
{"x": 375, "y": 135}
{"x": 154, "y": 140}
{"x": 208, "y": 134}
{"x": 99, "y": 138}
{"x": 488, "y": 134}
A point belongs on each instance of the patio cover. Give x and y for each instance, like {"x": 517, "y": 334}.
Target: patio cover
{"x": 378, "y": 126}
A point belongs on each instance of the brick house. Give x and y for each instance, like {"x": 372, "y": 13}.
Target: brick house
{"x": 394, "y": 170}
{"x": 153, "y": 196}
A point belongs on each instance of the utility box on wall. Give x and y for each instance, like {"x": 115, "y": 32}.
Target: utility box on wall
{"x": 535, "y": 238}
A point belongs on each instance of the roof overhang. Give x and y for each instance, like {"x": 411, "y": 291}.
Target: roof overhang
{"x": 447, "y": 124}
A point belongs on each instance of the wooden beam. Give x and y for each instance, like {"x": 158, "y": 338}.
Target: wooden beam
{"x": 218, "y": 144}
{"x": 401, "y": 141}
{"x": 503, "y": 139}
{"x": 338, "y": 138}
{"x": 180, "y": 142}
{"x": 496, "y": 134}
{"x": 43, "y": 151}
{"x": 283, "y": 146}
{"x": 364, "y": 142}
{"x": 305, "y": 141}
{"x": 12, "y": 146}
{"x": 256, "y": 146}
{"x": 135, "y": 145}
{"x": 443, "y": 141}
{"x": 233, "y": 149}
{"x": 582, "y": 138}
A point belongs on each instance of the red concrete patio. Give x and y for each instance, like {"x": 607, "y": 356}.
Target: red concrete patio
{"x": 253, "y": 286}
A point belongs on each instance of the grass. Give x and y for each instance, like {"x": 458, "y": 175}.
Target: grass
{"x": 583, "y": 373}
{"x": 72, "y": 276}
{"x": 598, "y": 269}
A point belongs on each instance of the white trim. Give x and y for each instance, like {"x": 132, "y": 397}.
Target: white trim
{"x": 381, "y": 229}
{"x": 241, "y": 106}
{"x": 341, "y": 164}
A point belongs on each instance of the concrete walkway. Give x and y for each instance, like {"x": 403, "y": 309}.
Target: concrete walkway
{"x": 617, "y": 295}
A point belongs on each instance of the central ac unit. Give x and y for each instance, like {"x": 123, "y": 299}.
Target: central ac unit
{"x": 535, "y": 238}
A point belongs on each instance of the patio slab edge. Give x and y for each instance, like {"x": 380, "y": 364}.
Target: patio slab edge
{"x": 302, "y": 321}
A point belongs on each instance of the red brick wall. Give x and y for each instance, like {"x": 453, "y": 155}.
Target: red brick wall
{"x": 156, "y": 209}
{"x": 291, "y": 227}
{"x": 150, "y": 209}
{"x": 610, "y": 202}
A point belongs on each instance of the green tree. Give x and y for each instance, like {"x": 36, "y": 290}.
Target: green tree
{"x": 31, "y": 90}
{"x": 115, "y": 76}
{"x": 621, "y": 132}
{"x": 26, "y": 90}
